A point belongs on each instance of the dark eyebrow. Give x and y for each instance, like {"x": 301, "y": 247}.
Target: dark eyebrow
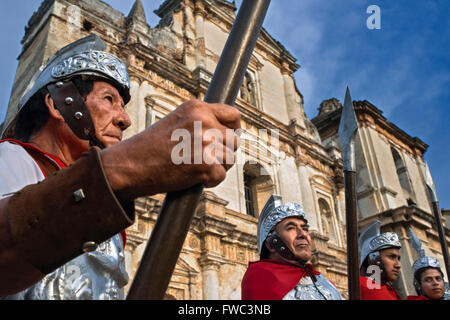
{"x": 291, "y": 223}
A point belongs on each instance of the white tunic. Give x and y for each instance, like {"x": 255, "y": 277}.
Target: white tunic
{"x": 99, "y": 275}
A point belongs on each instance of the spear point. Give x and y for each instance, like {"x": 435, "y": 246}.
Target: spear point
{"x": 347, "y": 132}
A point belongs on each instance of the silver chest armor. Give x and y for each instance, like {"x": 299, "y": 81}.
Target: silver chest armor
{"x": 98, "y": 275}
{"x": 305, "y": 290}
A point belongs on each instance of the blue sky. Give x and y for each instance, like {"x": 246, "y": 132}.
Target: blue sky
{"x": 403, "y": 68}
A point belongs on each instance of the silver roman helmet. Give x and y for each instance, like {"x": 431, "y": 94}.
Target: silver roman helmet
{"x": 274, "y": 212}
{"x": 85, "y": 57}
{"x": 423, "y": 261}
{"x": 371, "y": 241}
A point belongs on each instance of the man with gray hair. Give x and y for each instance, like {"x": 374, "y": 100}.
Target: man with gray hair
{"x": 284, "y": 245}
{"x": 68, "y": 182}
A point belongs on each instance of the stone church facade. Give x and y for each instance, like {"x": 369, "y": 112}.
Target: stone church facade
{"x": 283, "y": 152}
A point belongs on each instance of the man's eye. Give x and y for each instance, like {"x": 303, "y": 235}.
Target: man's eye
{"x": 109, "y": 98}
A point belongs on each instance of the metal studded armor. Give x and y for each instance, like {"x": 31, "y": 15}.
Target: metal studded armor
{"x": 307, "y": 289}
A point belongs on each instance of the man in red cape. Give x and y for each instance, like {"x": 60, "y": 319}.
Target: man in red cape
{"x": 371, "y": 290}
{"x": 379, "y": 263}
{"x": 284, "y": 246}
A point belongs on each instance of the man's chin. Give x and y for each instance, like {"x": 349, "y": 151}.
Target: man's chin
{"x": 109, "y": 141}
{"x": 393, "y": 278}
{"x": 306, "y": 256}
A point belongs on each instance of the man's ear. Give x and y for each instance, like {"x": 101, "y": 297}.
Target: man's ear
{"x": 53, "y": 111}
{"x": 269, "y": 247}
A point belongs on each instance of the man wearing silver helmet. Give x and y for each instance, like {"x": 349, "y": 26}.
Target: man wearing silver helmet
{"x": 428, "y": 276}
{"x": 284, "y": 245}
{"x": 68, "y": 183}
{"x": 379, "y": 262}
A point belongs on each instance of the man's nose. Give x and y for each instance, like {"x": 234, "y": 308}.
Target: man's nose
{"x": 122, "y": 119}
{"x": 300, "y": 233}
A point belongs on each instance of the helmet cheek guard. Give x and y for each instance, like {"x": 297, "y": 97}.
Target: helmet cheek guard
{"x": 71, "y": 105}
{"x": 374, "y": 258}
{"x": 276, "y": 243}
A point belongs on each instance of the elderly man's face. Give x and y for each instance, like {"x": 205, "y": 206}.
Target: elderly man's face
{"x": 432, "y": 284}
{"x": 106, "y": 107}
{"x": 294, "y": 233}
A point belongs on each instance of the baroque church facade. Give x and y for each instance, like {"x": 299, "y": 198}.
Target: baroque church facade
{"x": 282, "y": 151}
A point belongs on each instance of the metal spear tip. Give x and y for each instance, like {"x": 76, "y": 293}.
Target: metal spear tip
{"x": 430, "y": 183}
{"x": 348, "y": 125}
{"x": 347, "y": 131}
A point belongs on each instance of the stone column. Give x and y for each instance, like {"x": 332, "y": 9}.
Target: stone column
{"x": 294, "y": 109}
{"x": 200, "y": 46}
{"x": 307, "y": 196}
{"x": 129, "y": 263}
{"x": 210, "y": 279}
{"x": 212, "y": 228}
{"x": 149, "y": 103}
{"x": 133, "y": 108}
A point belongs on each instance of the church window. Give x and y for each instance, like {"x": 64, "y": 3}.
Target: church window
{"x": 258, "y": 187}
{"x": 402, "y": 173}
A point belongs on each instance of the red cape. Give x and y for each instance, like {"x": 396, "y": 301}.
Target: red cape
{"x": 271, "y": 279}
{"x": 61, "y": 164}
{"x": 384, "y": 292}
{"x": 417, "y": 298}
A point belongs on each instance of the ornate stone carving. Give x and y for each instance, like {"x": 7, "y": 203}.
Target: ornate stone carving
{"x": 329, "y": 105}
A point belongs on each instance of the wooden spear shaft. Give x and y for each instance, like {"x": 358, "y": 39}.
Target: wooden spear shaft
{"x": 442, "y": 237}
{"x": 348, "y": 129}
{"x": 354, "y": 288}
{"x": 166, "y": 241}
